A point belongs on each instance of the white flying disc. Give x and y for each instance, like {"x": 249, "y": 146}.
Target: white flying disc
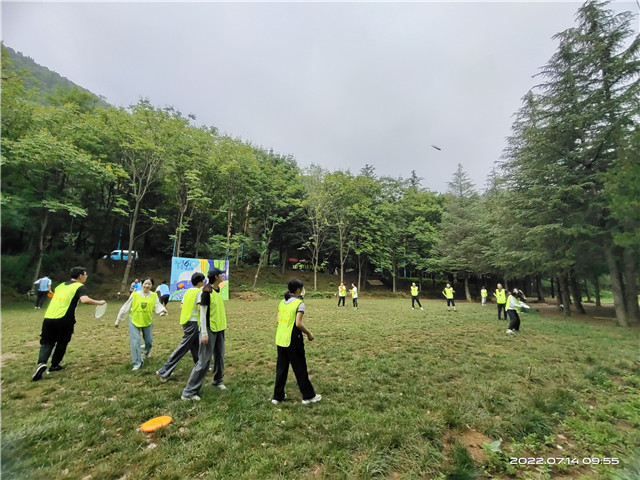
{"x": 101, "y": 310}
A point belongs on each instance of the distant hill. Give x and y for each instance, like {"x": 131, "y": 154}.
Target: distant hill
{"x": 45, "y": 80}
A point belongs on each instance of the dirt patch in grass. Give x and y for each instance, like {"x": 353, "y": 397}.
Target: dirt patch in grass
{"x": 472, "y": 440}
{"x": 7, "y": 356}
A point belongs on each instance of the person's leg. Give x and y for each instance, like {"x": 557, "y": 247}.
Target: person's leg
{"x": 147, "y": 336}
{"x": 413, "y": 302}
{"x": 453, "y": 302}
{"x": 418, "y": 300}
{"x": 134, "y": 343}
{"x": 282, "y": 370}
{"x": 500, "y": 307}
{"x": 40, "y": 298}
{"x": 188, "y": 342}
{"x": 218, "y": 357}
{"x": 299, "y": 366}
{"x": 200, "y": 369}
{"x": 512, "y": 319}
{"x": 516, "y": 327}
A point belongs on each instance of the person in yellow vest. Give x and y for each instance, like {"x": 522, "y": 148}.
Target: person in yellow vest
{"x": 59, "y": 319}
{"x": 448, "y": 294}
{"x": 414, "y": 296}
{"x": 354, "y": 296}
{"x": 513, "y": 309}
{"x": 290, "y": 344}
{"x": 189, "y": 316}
{"x": 342, "y": 294}
{"x": 213, "y": 323}
{"x": 483, "y": 295}
{"x": 140, "y": 307}
{"x": 501, "y": 300}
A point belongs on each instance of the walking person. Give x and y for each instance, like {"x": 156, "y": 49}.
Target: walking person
{"x": 354, "y": 296}
{"x": 483, "y": 295}
{"x": 513, "y": 310}
{"x": 140, "y": 307}
{"x": 290, "y": 343}
{"x": 414, "y": 296}
{"x": 342, "y": 294}
{"x": 189, "y": 317}
{"x": 448, "y": 294}
{"x": 501, "y": 300}
{"x": 163, "y": 293}
{"x": 59, "y": 319}
{"x": 213, "y": 323}
{"x": 44, "y": 289}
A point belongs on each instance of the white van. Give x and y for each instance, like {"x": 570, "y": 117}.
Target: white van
{"x": 122, "y": 255}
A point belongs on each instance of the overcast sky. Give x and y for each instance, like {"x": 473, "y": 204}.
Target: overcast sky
{"x": 337, "y": 84}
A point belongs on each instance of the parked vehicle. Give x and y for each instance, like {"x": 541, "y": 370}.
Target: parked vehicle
{"x": 121, "y": 255}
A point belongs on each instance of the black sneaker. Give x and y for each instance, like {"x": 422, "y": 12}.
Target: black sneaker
{"x": 39, "y": 371}
{"x": 57, "y": 368}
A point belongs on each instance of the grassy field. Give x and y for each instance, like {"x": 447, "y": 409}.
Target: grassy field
{"x": 406, "y": 395}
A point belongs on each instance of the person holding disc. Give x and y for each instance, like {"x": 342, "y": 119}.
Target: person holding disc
{"x": 59, "y": 319}
{"x": 44, "y": 288}
{"x": 414, "y": 296}
{"x": 213, "y": 323}
{"x": 448, "y": 294}
{"x": 290, "y": 344}
{"x": 354, "y": 296}
{"x": 139, "y": 307}
{"x": 189, "y": 317}
{"x": 342, "y": 294}
{"x": 513, "y": 310}
{"x": 501, "y": 300}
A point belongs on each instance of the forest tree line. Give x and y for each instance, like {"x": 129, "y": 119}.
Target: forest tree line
{"x": 562, "y": 203}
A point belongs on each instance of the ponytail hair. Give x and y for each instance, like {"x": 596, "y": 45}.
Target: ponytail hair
{"x": 294, "y": 284}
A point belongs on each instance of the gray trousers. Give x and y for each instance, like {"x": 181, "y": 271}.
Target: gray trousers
{"x": 214, "y": 348}
{"x": 188, "y": 343}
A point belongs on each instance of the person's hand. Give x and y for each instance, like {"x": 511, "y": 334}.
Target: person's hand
{"x": 205, "y": 339}
{"x": 101, "y": 302}
{"x": 310, "y": 336}
{"x": 116, "y": 324}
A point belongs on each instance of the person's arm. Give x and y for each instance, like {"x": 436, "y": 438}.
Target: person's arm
{"x": 203, "y": 323}
{"x": 124, "y": 310}
{"x": 159, "y": 308}
{"x": 301, "y": 326}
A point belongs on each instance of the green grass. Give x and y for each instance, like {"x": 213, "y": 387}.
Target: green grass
{"x": 406, "y": 394}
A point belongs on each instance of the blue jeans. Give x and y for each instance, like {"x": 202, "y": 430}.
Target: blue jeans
{"x": 134, "y": 341}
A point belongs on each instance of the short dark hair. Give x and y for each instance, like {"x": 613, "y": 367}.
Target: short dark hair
{"x": 75, "y": 272}
{"x": 196, "y": 278}
{"x": 148, "y": 278}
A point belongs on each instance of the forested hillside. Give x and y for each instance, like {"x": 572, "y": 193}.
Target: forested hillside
{"x": 561, "y": 207}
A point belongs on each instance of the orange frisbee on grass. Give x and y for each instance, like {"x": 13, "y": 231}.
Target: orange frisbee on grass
{"x": 155, "y": 423}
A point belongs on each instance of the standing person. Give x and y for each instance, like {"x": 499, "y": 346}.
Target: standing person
{"x": 290, "y": 342}
{"x": 414, "y": 296}
{"x": 59, "y": 319}
{"x": 189, "y": 317}
{"x": 213, "y": 323}
{"x": 140, "y": 307}
{"x": 448, "y": 294}
{"x": 483, "y": 295}
{"x": 513, "y": 309}
{"x": 342, "y": 293}
{"x": 44, "y": 288}
{"x": 354, "y": 296}
{"x": 163, "y": 292}
{"x": 501, "y": 300}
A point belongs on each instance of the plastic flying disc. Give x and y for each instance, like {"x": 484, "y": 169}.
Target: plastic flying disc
{"x": 101, "y": 310}
{"x": 155, "y": 423}
{"x": 50, "y": 294}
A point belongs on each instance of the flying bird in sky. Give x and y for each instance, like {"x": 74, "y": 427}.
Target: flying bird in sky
{"x": 436, "y": 147}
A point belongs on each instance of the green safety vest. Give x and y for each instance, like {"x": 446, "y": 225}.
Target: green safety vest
{"x": 483, "y": 292}
{"x": 448, "y": 292}
{"x": 286, "y": 321}
{"x": 188, "y": 304}
{"x": 501, "y": 296}
{"x": 342, "y": 291}
{"x": 61, "y": 300}
{"x": 517, "y": 309}
{"x": 354, "y": 292}
{"x": 217, "y": 314}
{"x": 414, "y": 291}
{"x": 142, "y": 309}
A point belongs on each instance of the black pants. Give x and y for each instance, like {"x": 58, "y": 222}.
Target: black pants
{"x": 294, "y": 355}
{"x": 41, "y": 298}
{"x": 501, "y": 308}
{"x": 341, "y": 299}
{"x": 164, "y": 300}
{"x": 56, "y": 334}
{"x": 413, "y": 300}
{"x": 355, "y": 302}
{"x": 514, "y": 320}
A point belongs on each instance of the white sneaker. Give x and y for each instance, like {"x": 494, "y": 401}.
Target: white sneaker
{"x": 509, "y": 331}
{"x": 421, "y": 308}
{"x": 315, "y": 399}
{"x": 195, "y": 398}
{"x": 221, "y": 386}
{"x": 136, "y": 367}
{"x": 276, "y": 402}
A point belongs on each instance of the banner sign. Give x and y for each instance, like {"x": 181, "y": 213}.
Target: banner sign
{"x": 183, "y": 268}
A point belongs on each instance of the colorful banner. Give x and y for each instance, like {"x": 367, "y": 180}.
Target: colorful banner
{"x": 183, "y": 268}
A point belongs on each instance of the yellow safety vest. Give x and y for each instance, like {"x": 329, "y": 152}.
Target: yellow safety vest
{"x": 217, "y": 314}
{"x": 342, "y": 291}
{"x": 61, "y": 300}
{"x": 501, "y": 296}
{"x": 354, "y": 292}
{"x": 188, "y": 304}
{"x": 414, "y": 291}
{"x": 142, "y": 309}
{"x": 286, "y": 321}
{"x": 483, "y": 292}
{"x": 448, "y": 292}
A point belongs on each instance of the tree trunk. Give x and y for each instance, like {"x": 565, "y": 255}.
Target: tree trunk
{"x": 586, "y": 289}
{"x": 577, "y": 294}
{"x": 467, "y": 292}
{"x": 596, "y": 286}
{"x": 539, "y": 289}
{"x": 553, "y": 293}
{"x": 617, "y": 288}
{"x": 132, "y": 232}
{"x": 559, "y": 301}
{"x": 630, "y": 285}
{"x": 43, "y": 228}
{"x": 566, "y": 296}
